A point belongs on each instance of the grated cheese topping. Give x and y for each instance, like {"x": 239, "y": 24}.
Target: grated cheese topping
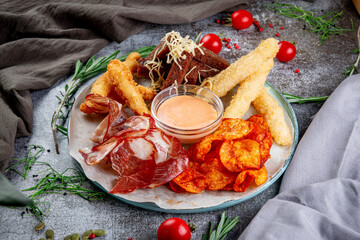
{"x": 177, "y": 46}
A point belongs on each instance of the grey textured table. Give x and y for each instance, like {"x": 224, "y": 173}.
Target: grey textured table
{"x": 321, "y": 70}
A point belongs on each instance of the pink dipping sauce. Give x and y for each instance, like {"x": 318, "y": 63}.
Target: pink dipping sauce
{"x": 186, "y": 112}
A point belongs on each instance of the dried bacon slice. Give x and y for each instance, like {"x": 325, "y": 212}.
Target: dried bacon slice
{"x": 99, "y": 152}
{"x": 170, "y": 157}
{"x": 108, "y": 127}
{"x": 95, "y": 104}
{"x": 134, "y": 160}
{"x": 135, "y": 126}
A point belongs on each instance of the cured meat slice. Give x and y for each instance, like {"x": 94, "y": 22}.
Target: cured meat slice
{"x": 171, "y": 159}
{"x": 108, "y": 127}
{"x": 134, "y": 160}
{"x": 135, "y": 126}
{"x": 96, "y": 104}
{"x": 99, "y": 152}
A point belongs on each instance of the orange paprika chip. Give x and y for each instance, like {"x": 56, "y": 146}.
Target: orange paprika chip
{"x": 217, "y": 176}
{"x": 190, "y": 180}
{"x": 261, "y": 134}
{"x": 240, "y": 155}
{"x": 229, "y": 129}
{"x": 245, "y": 178}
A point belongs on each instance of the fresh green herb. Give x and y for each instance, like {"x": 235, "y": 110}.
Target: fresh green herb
{"x": 353, "y": 68}
{"x": 323, "y": 25}
{"x": 28, "y": 161}
{"x": 299, "y": 100}
{"x": 93, "y": 67}
{"x": 197, "y": 39}
{"x": 223, "y": 228}
{"x": 355, "y": 50}
{"x": 70, "y": 181}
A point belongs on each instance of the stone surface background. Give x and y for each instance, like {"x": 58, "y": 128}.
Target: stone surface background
{"x": 321, "y": 70}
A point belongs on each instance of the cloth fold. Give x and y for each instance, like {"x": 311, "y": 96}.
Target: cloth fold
{"x": 319, "y": 193}
{"x": 41, "y": 40}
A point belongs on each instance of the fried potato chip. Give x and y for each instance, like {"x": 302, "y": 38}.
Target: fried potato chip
{"x": 240, "y": 155}
{"x": 261, "y": 134}
{"x": 229, "y": 129}
{"x": 191, "y": 180}
{"x": 260, "y": 121}
{"x": 217, "y": 176}
{"x": 176, "y": 188}
{"x": 245, "y": 178}
{"x": 234, "y": 128}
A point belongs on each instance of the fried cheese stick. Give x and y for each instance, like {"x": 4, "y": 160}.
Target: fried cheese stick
{"x": 268, "y": 107}
{"x": 121, "y": 76}
{"x": 238, "y": 71}
{"x": 248, "y": 91}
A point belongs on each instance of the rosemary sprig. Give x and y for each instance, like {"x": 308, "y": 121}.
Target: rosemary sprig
{"x": 323, "y": 25}
{"x": 223, "y": 228}
{"x": 299, "y": 100}
{"x": 93, "y": 67}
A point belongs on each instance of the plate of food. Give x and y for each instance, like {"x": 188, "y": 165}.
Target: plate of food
{"x": 182, "y": 130}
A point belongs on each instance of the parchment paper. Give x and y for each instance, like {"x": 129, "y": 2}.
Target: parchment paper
{"x": 81, "y": 127}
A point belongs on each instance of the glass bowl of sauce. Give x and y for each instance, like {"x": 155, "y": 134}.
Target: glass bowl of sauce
{"x": 187, "y": 112}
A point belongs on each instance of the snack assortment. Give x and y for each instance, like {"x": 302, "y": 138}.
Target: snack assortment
{"x": 230, "y": 158}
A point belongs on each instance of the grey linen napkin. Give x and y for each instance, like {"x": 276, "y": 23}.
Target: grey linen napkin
{"x": 40, "y": 41}
{"x": 319, "y": 194}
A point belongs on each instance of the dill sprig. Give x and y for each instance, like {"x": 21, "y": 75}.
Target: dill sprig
{"x": 28, "y": 161}
{"x": 67, "y": 182}
{"x": 70, "y": 181}
{"x": 299, "y": 100}
{"x": 323, "y": 25}
{"x": 223, "y": 228}
{"x": 83, "y": 72}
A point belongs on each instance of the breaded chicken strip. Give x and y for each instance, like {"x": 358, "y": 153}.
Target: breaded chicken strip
{"x": 248, "y": 91}
{"x": 121, "y": 76}
{"x": 104, "y": 87}
{"x": 238, "y": 71}
{"x": 269, "y": 108}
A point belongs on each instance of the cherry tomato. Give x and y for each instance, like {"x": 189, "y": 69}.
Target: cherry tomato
{"x": 212, "y": 42}
{"x": 287, "y": 51}
{"x": 174, "y": 229}
{"x": 241, "y": 19}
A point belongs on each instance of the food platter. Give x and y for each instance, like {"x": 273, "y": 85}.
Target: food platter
{"x": 161, "y": 198}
